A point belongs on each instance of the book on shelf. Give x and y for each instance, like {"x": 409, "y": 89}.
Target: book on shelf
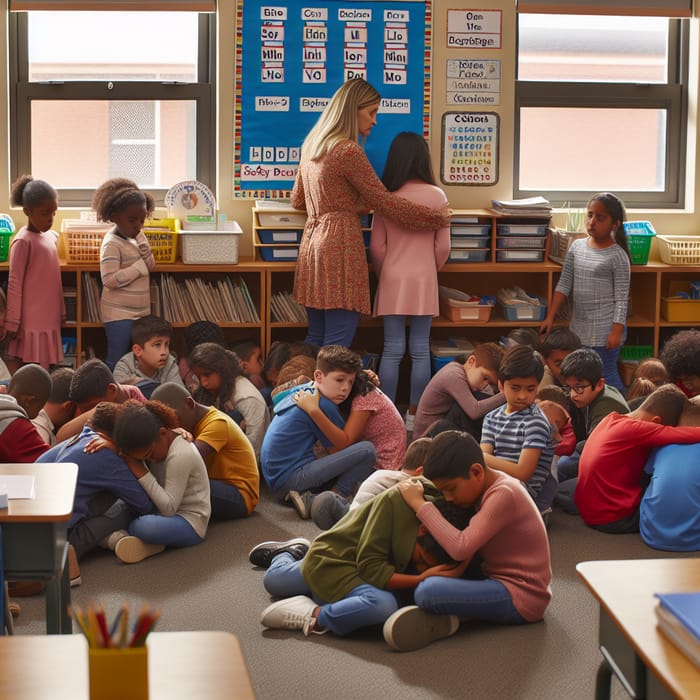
{"x": 530, "y": 206}
{"x": 678, "y": 618}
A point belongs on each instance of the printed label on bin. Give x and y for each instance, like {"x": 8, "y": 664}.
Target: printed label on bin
{"x": 523, "y": 312}
{"x": 284, "y": 236}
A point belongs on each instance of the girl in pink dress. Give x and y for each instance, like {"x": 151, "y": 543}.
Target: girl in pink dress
{"x": 35, "y": 305}
{"x": 406, "y": 263}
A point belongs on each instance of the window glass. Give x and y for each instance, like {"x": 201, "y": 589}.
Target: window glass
{"x": 595, "y": 48}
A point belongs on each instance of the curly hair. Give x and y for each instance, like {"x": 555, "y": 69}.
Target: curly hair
{"x": 681, "y": 354}
{"x": 137, "y": 424}
{"x": 29, "y": 193}
{"x": 116, "y": 195}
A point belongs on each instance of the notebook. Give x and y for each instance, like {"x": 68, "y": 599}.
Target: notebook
{"x": 678, "y": 617}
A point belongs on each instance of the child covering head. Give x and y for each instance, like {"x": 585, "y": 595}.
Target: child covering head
{"x": 59, "y": 408}
{"x": 287, "y": 458}
{"x": 249, "y": 355}
{"x": 560, "y": 343}
{"x": 149, "y": 361}
{"x": 196, "y": 333}
{"x": 681, "y": 357}
{"x": 507, "y": 533}
{"x": 223, "y": 384}
{"x": 35, "y": 304}
{"x": 125, "y": 261}
{"x": 355, "y": 570}
{"x": 455, "y": 393}
{"x": 515, "y": 437}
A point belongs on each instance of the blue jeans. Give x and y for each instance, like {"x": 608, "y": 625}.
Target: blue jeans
{"x": 610, "y": 371}
{"x": 364, "y": 606}
{"x": 347, "y": 468}
{"x": 394, "y": 349}
{"x": 118, "y": 340}
{"x": 331, "y": 326}
{"x": 226, "y": 501}
{"x": 485, "y": 600}
{"x": 170, "y": 530}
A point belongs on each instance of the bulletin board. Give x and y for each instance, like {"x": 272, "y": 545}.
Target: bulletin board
{"x": 291, "y": 56}
{"x": 469, "y": 148}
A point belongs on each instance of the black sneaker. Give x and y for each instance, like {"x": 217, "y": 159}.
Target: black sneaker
{"x": 301, "y": 502}
{"x": 262, "y": 554}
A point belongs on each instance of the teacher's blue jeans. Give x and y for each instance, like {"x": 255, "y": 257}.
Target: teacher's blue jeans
{"x": 483, "y": 600}
{"x": 331, "y": 326}
{"x": 395, "y": 348}
{"x": 364, "y": 606}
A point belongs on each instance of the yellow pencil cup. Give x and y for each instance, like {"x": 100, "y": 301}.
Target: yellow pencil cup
{"x": 116, "y": 674}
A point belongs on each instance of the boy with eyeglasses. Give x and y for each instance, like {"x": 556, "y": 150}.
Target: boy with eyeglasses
{"x": 591, "y": 400}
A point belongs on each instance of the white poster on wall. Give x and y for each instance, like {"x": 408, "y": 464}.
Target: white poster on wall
{"x": 473, "y": 82}
{"x": 474, "y": 29}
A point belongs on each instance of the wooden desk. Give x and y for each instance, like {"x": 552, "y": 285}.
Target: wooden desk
{"x": 646, "y": 663}
{"x": 34, "y": 531}
{"x": 181, "y": 665}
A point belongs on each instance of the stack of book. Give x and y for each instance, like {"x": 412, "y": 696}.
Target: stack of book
{"x": 285, "y": 310}
{"x": 678, "y": 617}
{"x": 531, "y": 206}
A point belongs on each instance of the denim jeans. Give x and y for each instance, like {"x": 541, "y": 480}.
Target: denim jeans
{"x": 394, "y": 349}
{"x": 485, "y": 600}
{"x": 118, "y": 340}
{"x": 610, "y": 371}
{"x": 346, "y": 469}
{"x": 226, "y": 501}
{"x": 170, "y": 530}
{"x": 364, "y": 606}
{"x": 331, "y": 326}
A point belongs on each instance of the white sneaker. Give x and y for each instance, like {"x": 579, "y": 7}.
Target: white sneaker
{"x": 110, "y": 542}
{"x": 412, "y": 628}
{"x": 409, "y": 420}
{"x": 132, "y": 549}
{"x": 294, "y": 613}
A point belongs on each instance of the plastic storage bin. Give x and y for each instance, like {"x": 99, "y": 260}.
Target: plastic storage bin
{"x": 281, "y": 217}
{"x": 462, "y": 242}
{"x": 211, "y": 247}
{"x": 270, "y": 236}
{"x": 636, "y": 353}
{"x": 521, "y": 229}
{"x": 560, "y": 242}
{"x": 679, "y": 250}
{"x": 279, "y": 253}
{"x": 5, "y": 240}
{"x": 519, "y": 255}
{"x": 162, "y": 237}
{"x": 679, "y": 310}
{"x": 454, "y": 310}
{"x": 534, "y": 242}
{"x": 524, "y": 311}
{"x": 457, "y": 229}
{"x": 468, "y": 254}
{"x": 639, "y": 235}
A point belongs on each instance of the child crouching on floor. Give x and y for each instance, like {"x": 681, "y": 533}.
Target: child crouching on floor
{"x": 507, "y": 532}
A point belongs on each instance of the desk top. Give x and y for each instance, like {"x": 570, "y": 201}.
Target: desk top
{"x": 180, "y": 665}
{"x": 54, "y": 485}
{"x": 625, "y": 590}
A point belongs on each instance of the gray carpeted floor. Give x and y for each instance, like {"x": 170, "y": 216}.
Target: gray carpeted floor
{"x": 213, "y": 586}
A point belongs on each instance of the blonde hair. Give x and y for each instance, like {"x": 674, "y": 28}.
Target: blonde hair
{"x": 339, "y": 119}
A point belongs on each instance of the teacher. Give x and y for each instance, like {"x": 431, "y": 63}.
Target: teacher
{"x": 335, "y": 183}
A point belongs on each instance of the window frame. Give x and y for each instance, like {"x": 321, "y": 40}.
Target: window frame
{"x": 671, "y": 96}
{"x": 23, "y": 92}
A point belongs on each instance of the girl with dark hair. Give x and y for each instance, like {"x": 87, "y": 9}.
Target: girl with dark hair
{"x": 406, "y": 263}
{"x": 597, "y": 272}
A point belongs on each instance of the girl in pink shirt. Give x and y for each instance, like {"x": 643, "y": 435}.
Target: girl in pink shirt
{"x": 406, "y": 264}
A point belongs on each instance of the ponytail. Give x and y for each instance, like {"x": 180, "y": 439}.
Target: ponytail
{"x": 616, "y": 209}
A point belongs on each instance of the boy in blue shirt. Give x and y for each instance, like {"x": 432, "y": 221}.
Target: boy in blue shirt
{"x": 287, "y": 457}
{"x": 515, "y": 437}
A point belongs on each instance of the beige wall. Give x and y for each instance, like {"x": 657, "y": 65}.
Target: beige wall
{"x": 684, "y": 222}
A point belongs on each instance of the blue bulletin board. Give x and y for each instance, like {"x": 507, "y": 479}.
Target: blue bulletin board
{"x": 294, "y": 54}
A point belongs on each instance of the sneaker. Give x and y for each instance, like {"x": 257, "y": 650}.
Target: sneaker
{"x": 294, "y": 613}
{"x": 110, "y": 542}
{"x": 262, "y": 554}
{"x": 412, "y": 628}
{"x": 132, "y": 549}
{"x": 22, "y": 589}
{"x": 302, "y": 502}
{"x": 14, "y": 608}
{"x": 73, "y": 567}
{"x": 409, "y": 420}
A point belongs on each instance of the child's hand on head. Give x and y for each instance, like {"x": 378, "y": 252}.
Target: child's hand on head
{"x": 373, "y": 377}
{"x": 411, "y": 491}
{"x": 307, "y": 399}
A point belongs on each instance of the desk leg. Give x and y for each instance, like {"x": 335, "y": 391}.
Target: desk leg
{"x": 58, "y": 619}
{"x": 603, "y": 681}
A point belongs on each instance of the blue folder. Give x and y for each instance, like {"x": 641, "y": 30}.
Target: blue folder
{"x": 686, "y": 608}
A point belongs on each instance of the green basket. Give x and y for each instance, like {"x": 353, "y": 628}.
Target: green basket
{"x": 636, "y": 352}
{"x": 639, "y": 235}
{"x": 5, "y": 240}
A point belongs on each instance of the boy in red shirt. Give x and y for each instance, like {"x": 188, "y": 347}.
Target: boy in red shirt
{"x": 609, "y": 487}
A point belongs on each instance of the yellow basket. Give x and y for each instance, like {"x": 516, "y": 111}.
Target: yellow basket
{"x": 679, "y": 250}
{"x": 82, "y": 246}
{"x": 162, "y": 236}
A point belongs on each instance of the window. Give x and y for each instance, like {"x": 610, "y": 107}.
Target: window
{"x": 600, "y": 105}
{"x": 112, "y": 94}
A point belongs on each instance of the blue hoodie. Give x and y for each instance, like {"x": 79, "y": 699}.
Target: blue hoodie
{"x": 289, "y": 441}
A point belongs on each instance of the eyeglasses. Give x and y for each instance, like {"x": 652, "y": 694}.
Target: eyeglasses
{"x": 577, "y": 389}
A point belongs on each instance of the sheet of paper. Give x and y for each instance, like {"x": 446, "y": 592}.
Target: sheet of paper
{"x": 17, "y": 485}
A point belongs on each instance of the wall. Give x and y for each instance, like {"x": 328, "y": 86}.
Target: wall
{"x": 683, "y": 222}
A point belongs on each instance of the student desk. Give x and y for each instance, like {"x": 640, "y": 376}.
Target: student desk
{"x": 181, "y": 665}
{"x": 34, "y": 544}
{"x": 645, "y": 662}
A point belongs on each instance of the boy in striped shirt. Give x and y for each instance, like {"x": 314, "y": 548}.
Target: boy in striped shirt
{"x": 515, "y": 437}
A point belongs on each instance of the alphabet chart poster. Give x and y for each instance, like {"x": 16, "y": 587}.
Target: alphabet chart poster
{"x": 293, "y": 55}
{"x": 469, "y": 148}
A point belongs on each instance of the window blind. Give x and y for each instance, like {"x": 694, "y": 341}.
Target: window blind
{"x": 657, "y": 8}
{"x": 114, "y": 5}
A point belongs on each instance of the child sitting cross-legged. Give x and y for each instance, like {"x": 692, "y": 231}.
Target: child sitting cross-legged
{"x": 289, "y": 464}
{"x": 507, "y": 533}
{"x": 351, "y": 575}
{"x": 515, "y": 438}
